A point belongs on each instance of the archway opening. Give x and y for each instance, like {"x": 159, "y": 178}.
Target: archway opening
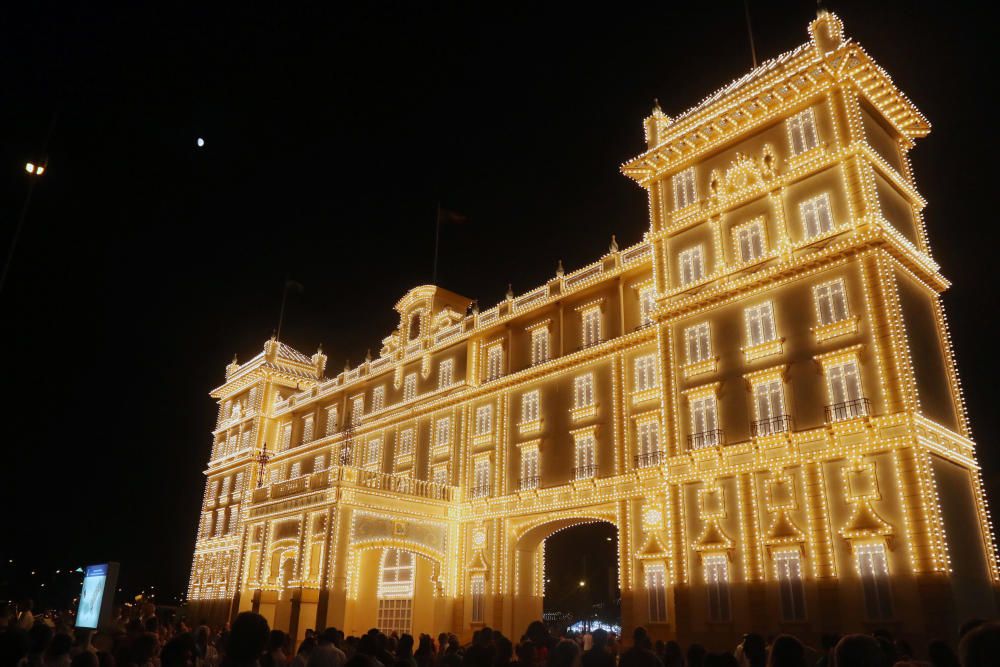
{"x": 581, "y": 577}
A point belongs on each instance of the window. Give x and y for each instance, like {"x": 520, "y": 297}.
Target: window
{"x": 760, "y": 324}
{"x": 331, "y": 420}
{"x": 286, "y": 436}
{"x": 481, "y": 479}
{"x": 816, "y": 216}
{"x": 414, "y": 331}
{"x": 440, "y": 474}
{"x": 530, "y": 411}
{"x": 373, "y": 454}
{"x": 442, "y": 432}
{"x": 307, "y": 428}
{"x": 591, "y": 326}
{"x": 831, "y": 301}
{"x": 378, "y": 398}
{"x": 698, "y": 343}
{"x": 395, "y": 591}
{"x": 478, "y": 589}
{"x": 238, "y": 486}
{"x": 446, "y": 373}
{"x": 647, "y": 302}
{"x": 585, "y": 456}
{"x": 319, "y": 462}
{"x": 844, "y": 385}
{"x": 684, "y": 190}
{"x": 692, "y": 265}
{"x": 583, "y": 391}
{"x": 717, "y": 582}
{"x": 656, "y": 589}
{"x": 220, "y": 522}
{"x": 802, "y": 132}
{"x": 357, "y": 409}
{"x": 873, "y": 569}
{"x": 494, "y": 362}
{"x": 529, "y": 468}
{"x": 296, "y": 470}
{"x": 788, "y": 571}
{"x": 645, "y": 372}
{"x": 769, "y": 402}
{"x": 484, "y": 419}
{"x": 750, "y": 241}
{"x": 649, "y": 444}
{"x": 406, "y": 440}
{"x": 704, "y": 422}
{"x": 539, "y": 345}
{"x": 410, "y": 387}
{"x": 226, "y": 481}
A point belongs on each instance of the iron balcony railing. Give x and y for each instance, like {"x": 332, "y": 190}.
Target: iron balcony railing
{"x": 858, "y": 407}
{"x": 763, "y": 427}
{"x": 480, "y": 490}
{"x": 528, "y": 483}
{"x": 585, "y": 472}
{"x": 705, "y": 439}
{"x": 648, "y": 459}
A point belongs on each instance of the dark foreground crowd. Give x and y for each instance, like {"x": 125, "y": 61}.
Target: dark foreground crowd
{"x": 143, "y": 641}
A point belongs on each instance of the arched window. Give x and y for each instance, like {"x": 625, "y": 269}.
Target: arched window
{"x": 414, "y": 327}
{"x": 395, "y": 591}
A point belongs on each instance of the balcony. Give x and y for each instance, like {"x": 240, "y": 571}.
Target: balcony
{"x": 289, "y": 488}
{"x": 648, "y": 459}
{"x": 705, "y": 439}
{"x": 480, "y": 490}
{"x": 373, "y": 479}
{"x": 765, "y": 427}
{"x": 528, "y": 483}
{"x": 585, "y": 472}
{"x": 838, "y": 412}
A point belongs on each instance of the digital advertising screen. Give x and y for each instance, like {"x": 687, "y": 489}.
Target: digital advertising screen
{"x": 96, "y": 595}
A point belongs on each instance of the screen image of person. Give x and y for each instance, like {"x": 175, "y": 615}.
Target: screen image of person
{"x": 88, "y": 612}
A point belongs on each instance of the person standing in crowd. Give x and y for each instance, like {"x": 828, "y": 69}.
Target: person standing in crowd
{"x": 786, "y": 651}
{"x": 404, "y": 652}
{"x": 641, "y": 654}
{"x": 598, "y": 655}
{"x": 247, "y": 640}
{"x": 274, "y": 654}
{"x": 565, "y": 654}
{"x": 980, "y": 647}
{"x": 424, "y": 655}
{"x": 25, "y": 619}
{"x": 672, "y": 654}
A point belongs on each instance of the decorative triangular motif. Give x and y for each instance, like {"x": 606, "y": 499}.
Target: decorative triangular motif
{"x": 713, "y": 538}
{"x": 478, "y": 563}
{"x": 865, "y": 522}
{"x": 783, "y": 530}
{"x": 652, "y": 548}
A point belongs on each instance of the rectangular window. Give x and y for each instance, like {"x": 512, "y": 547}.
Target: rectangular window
{"x": 529, "y": 468}
{"x": 656, "y": 589}
{"x": 844, "y": 385}
{"x": 226, "y": 481}
{"x": 442, "y": 432}
{"x": 717, "y": 582}
{"x": 406, "y": 441}
{"x": 296, "y": 470}
{"x": 410, "y": 387}
{"x": 378, "y": 398}
{"x": 286, "y": 436}
{"x": 816, "y": 216}
{"x": 769, "y": 403}
{"x": 331, "y": 419}
{"x": 831, "y": 301}
{"x": 591, "y": 326}
{"x": 788, "y": 571}
{"x": 440, "y": 474}
{"x": 357, "y": 409}
{"x": 698, "y": 343}
{"x": 802, "y": 132}
{"x": 750, "y": 241}
{"x": 307, "y": 428}
{"x": 583, "y": 391}
{"x": 704, "y": 422}
{"x": 481, "y": 479}
{"x": 873, "y": 568}
{"x": 647, "y": 303}
{"x": 478, "y": 589}
{"x": 373, "y": 454}
{"x": 539, "y": 345}
{"x": 446, "y": 373}
{"x": 645, "y": 372}
{"x": 395, "y": 615}
{"x": 649, "y": 444}
{"x": 494, "y": 362}
{"x": 530, "y": 408}
{"x": 760, "y": 324}
{"x": 238, "y": 486}
{"x": 684, "y": 189}
{"x": 484, "y": 419}
{"x": 319, "y": 463}
{"x": 692, "y": 264}
{"x": 586, "y": 464}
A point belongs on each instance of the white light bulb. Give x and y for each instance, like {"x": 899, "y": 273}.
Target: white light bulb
{"x": 200, "y": 142}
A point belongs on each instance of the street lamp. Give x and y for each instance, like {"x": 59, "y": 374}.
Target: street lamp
{"x": 582, "y": 583}
{"x": 35, "y": 169}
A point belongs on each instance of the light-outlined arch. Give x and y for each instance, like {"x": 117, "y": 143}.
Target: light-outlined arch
{"x": 358, "y": 549}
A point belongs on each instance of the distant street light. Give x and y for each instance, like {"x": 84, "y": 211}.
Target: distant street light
{"x": 36, "y": 169}
{"x": 582, "y": 583}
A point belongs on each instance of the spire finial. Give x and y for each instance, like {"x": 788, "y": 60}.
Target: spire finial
{"x": 560, "y": 271}
{"x": 614, "y": 244}
{"x": 235, "y": 360}
{"x": 656, "y": 105}
{"x": 319, "y": 350}
{"x": 368, "y": 355}
{"x": 347, "y": 365}
{"x": 510, "y": 291}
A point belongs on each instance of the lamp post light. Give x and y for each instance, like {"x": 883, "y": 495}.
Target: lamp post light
{"x": 262, "y": 460}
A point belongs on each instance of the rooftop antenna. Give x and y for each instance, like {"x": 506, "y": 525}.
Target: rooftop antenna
{"x": 753, "y": 50}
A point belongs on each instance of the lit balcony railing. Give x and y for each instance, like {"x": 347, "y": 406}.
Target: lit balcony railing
{"x": 648, "y": 459}
{"x": 858, "y": 407}
{"x": 705, "y": 439}
{"x": 528, "y": 483}
{"x": 585, "y": 472}
{"x": 373, "y": 479}
{"x": 480, "y": 490}
{"x": 765, "y": 427}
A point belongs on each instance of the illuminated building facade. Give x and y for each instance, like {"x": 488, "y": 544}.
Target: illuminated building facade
{"x": 760, "y": 396}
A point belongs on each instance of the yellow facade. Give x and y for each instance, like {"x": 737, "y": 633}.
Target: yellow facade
{"x": 760, "y": 396}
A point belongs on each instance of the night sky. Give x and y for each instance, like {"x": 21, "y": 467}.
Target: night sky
{"x": 331, "y": 134}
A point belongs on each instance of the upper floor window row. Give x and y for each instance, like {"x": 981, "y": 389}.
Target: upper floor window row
{"x": 692, "y": 264}
{"x": 802, "y": 135}
{"x": 685, "y": 192}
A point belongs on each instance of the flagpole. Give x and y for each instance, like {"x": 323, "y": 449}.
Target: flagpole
{"x": 437, "y": 240}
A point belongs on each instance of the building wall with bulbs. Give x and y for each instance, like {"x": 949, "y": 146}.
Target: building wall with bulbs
{"x": 760, "y": 396}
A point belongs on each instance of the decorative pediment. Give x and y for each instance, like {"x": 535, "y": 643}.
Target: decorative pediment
{"x": 446, "y": 317}
{"x": 389, "y": 344}
{"x": 713, "y": 538}
{"x": 652, "y": 549}
{"x": 783, "y": 530}
{"x": 862, "y": 489}
{"x": 744, "y": 173}
{"x": 477, "y": 563}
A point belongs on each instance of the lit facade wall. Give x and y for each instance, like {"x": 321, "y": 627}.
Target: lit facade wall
{"x": 761, "y": 397}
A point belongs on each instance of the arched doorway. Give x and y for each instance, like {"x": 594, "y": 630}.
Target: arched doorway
{"x": 573, "y": 538}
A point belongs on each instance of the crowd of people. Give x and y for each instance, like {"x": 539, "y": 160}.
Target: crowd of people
{"x": 138, "y": 639}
